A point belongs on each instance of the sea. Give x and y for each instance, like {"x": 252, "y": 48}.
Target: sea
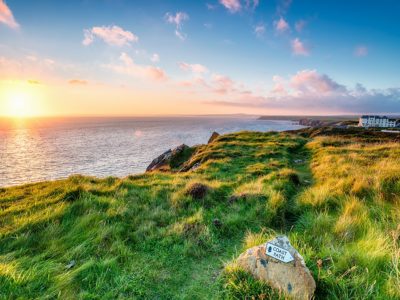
{"x": 33, "y": 150}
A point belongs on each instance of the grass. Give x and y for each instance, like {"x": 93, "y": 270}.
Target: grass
{"x": 145, "y": 237}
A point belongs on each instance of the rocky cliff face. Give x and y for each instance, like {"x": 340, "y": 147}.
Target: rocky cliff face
{"x": 177, "y": 159}
{"x": 165, "y": 161}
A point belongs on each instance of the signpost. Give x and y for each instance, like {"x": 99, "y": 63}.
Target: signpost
{"x": 278, "y": 253}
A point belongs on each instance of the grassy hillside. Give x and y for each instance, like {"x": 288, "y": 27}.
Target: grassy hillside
{"x": 146, "y": 237}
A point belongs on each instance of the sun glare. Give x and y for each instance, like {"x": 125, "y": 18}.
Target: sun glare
{"x": 20, "y": 101}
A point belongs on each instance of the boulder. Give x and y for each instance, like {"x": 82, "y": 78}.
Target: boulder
{"x": 281, "y": 266}
{"x": 213, "y": 137}
{"x": 162, "y": 162}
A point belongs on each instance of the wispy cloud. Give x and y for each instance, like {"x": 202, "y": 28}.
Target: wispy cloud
{"x": 211, "y": 6}
{"x": 112, "y": 35}
{"x": 177, "y": 19}
{"x": 300, "y": 25}
{"x": 281, "y": 25}
{"x": 195, "y": 68}
{"x": 298, "y": 48}
{"x": 155, "y": 58}
{"x": 259, "y": 29}
{"x": 222, "y": 84}
{"x": 361, "y": 51}
{"x": 252, "y": 4}
{"x": 283, "y": 6}
{"x": 129, "y": 67}
{"x": 233, "y": 6}
{"x": 6, "y": 16}
{"x": 77, "y": 82}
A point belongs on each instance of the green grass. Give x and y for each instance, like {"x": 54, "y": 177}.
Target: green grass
{"x": 144, "y": 237}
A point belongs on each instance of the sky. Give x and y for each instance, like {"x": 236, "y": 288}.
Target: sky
{"x": 159, "y": 57}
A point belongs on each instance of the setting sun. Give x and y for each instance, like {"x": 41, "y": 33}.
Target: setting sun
{"x": 19, "y": 104}
{"x": 20, "y": 100}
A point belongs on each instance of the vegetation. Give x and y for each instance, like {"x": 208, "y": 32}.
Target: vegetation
{"x": 151, "y": 237}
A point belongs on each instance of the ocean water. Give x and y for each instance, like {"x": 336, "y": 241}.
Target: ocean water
{"x": 46, "y": 149}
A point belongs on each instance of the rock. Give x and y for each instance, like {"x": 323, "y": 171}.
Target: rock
{"x": 298, "y": 161}
{"x": 162, "y": 162}
{"x": 71, "y": 264}
{"x": 197, "y": 190}
{"x": 292, "y": 278}
{"x": 213, "y": 137}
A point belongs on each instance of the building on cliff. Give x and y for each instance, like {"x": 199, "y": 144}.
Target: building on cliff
{"x": 377, "y": 121}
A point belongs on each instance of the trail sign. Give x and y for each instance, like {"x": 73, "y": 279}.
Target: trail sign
{"x": 278, "y": 253}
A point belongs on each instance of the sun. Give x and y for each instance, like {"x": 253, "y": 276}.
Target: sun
{"x": 20, "y": 101}
{"x": 19, "y": 104}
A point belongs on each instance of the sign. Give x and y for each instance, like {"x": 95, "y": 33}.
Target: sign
{"x": 278, "y": 253}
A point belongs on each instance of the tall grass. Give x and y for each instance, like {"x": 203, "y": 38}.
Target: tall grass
{"x": 145, "y": 237}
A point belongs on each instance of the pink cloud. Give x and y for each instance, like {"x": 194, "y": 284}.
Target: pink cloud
{"x": 298, "y": 48}
{"x": 195, "y": 68}
{"x": 129, "y": 67}
{"x": 112, "y": 35}
{"x": 281, "y": 25}
{"x": 222, "y": 84}
{"x": 232, "y": 6}
{"x": 177, "y": 20}
{"x": 361, "y": 51}
{"x": 311, "y": 82}
{"x": 6, "y": 16}
{"x": 279, "y": 85}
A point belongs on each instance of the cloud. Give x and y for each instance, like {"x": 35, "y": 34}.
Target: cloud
{"x": 211, "y": 6}
{"x": 129, "y": 67}
{"x": 279, "y": 85}
{"x": 233, "y": 6}
{"x": 6, "y": 16}
{"x": 222, "y": 84}
{"x": 34, "y": 81}
{"x": 361, "y": 51}
{"x": 259, "y": 30}
{"x": 195, "y": 68}
{"x": 252, "y": 4}
{"x": 310, "y": 82}
{"x": 77, "y": 82}
{"x": 307, "y": 91}
{"x": 177, "y": 20}
{"x": 300, "y": 25}
{"x": 298, "y": 48}
{"x": 283, "y": 6}
{"x": 112, "y": 35}
{"x": 155, "y": 58}
{"x": 281, "y": 25}
{"x": 208, "y": 25}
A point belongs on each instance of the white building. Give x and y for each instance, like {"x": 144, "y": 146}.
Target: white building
{"x": 377, "y": 121}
